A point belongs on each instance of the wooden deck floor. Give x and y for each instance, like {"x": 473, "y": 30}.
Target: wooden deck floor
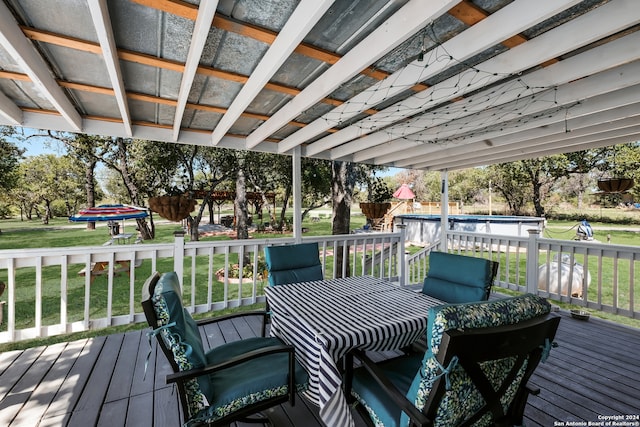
{"x": 101, "y": 381}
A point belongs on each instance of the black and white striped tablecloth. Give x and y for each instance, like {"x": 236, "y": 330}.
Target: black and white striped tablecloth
{"x": 325, "y": 319}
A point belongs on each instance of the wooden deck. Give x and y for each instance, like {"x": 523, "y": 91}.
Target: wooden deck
{"x": 101, "y": 381}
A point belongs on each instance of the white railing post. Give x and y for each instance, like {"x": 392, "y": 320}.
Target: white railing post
{"x": 178, "y": 255}
{"x": 532, "y": 261}
{"x": 402, "y": 258}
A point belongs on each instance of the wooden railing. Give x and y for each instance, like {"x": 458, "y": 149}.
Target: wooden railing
{"x": 588, "y": 274}
{"x": 60, "y": 290}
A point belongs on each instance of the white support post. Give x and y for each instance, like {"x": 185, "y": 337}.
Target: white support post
{"x": 402, "y": 257}
{"x": 178, "y": 255}
{"x": 444, "y": 210}
{"x": 532, "y": 261}
{"x": 297, "y": 194}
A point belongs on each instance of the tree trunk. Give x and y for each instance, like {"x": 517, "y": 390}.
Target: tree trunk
{"x": 283, "y": 211}
{"x": 537, "y": 186}
{"x": 90, "y": 188}
{"x": 123, "y": 167}
{"x": 343, "y": 181}
{"x": 241, "y": 205}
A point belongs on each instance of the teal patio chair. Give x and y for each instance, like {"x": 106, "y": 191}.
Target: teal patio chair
{"x": 475, "y": 372}
{"x": 228, "y": 383}
{"x": 454, "y": 278}
{"x": 293, "y": 263}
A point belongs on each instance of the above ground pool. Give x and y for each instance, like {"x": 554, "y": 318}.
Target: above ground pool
{"x": 425, "y": 228}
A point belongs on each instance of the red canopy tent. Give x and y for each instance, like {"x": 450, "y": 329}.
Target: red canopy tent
{"x": 404, "y": 193}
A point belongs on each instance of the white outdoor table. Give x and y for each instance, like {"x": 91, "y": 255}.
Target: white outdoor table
{"x": 325, "y": 319}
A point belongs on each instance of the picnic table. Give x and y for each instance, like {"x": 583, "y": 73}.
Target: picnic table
{"x": 102, "y": 267}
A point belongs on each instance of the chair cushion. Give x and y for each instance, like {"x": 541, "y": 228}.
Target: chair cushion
{"x": 180, "y": 334}
{"x": 368, "y": 392}
{"x": 248, "y": 382}
{"x": 293, "y": 263}
{"x": 458, "y": 278}
{"x": 507, "y": 311}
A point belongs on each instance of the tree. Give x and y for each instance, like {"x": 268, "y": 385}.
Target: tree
{"x": 579, "y": 167}
{"x": 343, "y": 180}
{"x": 48, "y": 178}
{"x": 621, "y": 161}
{"x": 510, "y": 180}
{"x": 83, "y": 148}
{"x": 10, "y": 156}
{"x": 124, "y": 156}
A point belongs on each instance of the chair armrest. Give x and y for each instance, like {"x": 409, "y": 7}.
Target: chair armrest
{"x": 261, "y": 352}
{"x": 263, "y": 313}
{"x": 417, "y": 417}
{"x": 209, "y": 320}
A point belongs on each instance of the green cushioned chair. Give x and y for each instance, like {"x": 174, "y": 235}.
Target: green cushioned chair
{"x": 456, "y": 278}
{"x": 475, "y": 372}
{"x": 228, "y": 383}
{"x": 293, "y": 263}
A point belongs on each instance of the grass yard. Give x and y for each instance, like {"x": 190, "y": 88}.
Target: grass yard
{"x": 60, "y": 233}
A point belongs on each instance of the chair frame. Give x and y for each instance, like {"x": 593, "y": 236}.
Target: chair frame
{"x": 473, "y": 346}
{"x": 181, "y": 377}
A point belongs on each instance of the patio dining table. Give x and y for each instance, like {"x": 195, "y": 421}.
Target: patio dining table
{"x": 326, "y": 319}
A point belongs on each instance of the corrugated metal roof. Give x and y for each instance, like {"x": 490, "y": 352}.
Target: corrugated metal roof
{"x": 406, "y": 83}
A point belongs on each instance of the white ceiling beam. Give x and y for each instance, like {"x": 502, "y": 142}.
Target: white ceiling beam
{"x": 10, "y": 111}
{"x": 28, "y": 59}
{"x": 590, "y": 27}
{"x": 505, "y": 23}
{"x": 553, "y": 136}
{"x": 102, "y": 23}
{"x": 592, "y": 109}
{"x": 303, "y": 19}
{"x": 206, "y": 12}
{"x": 408, "y": 20}
{"x": 608, "y": 106}
{"x": 520, "y": 152}
{"x": 534, "y": 129}
{"x": 556, "y": 135}
{"x": 482, "y": 108}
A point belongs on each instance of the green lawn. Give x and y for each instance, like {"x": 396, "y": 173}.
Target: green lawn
{"x": 61, "y": 233}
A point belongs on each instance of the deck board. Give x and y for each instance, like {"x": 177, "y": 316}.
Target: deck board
{"x": 102, "y": 382}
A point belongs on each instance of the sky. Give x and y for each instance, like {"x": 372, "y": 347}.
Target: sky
{"x": 36, "y": 145}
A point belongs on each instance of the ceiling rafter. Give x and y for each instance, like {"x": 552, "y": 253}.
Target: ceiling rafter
{"x": 102, "y": 23}
{"x": 608, "y": 100}
{"x": 411, "y": 17}
{"x": 530, "y": 151}
{"x": 517, "y": 142}
{"x": 189, "y": 11}
{"x": 303, "y": 19}
{"x": 567, "y": 37}
{"x": 154, "y": 61}
{"x": 9, "y": 110}
{"x": 510, "y": 20}
{"x": 484, "y": 108}
{"x": 206, "y": 11}
{"x": 139, "y": 97}
{"x": 26, "y": 56}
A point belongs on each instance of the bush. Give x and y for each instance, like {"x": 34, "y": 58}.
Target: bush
{"x": 5, "y": 211}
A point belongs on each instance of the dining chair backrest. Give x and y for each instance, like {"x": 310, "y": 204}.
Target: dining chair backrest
{"x": 293, "y": 263}
{"x": 177, "y": 333}
{"x": 452, "y": 396}
{"x": 454, "y": 278}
